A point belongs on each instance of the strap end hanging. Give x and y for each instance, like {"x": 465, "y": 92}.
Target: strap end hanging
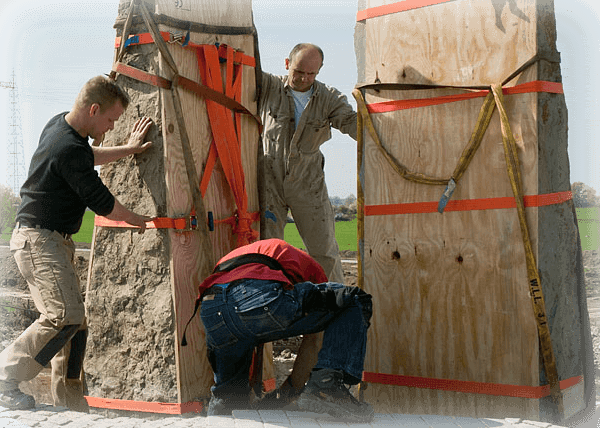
{"x": 446, "y": 195}
{"x": 186, "y": 41}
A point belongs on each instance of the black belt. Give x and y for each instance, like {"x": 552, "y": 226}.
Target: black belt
{"x": 218, "y": 289}
{"x": 25, "y": 224}
{"x": 212, "y": 291}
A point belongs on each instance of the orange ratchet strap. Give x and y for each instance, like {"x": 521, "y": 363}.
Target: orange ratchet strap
{"x": 224, "y": 108}
{"x": 226, "y": 130}
{"x": 497, "y": 389}
{"x": 535, "y": 86}
{"x": 185, "y": 83}
{"x": 401, "y": 6}
{"x": 157, "y": 407}
{"x": 181, "y": 224}
{"x": 146, "y": 39}
{"x": 468, "y": 204}
{"x": 140, "y": 406}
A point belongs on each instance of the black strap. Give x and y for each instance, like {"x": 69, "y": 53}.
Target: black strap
{"x": 183, "y": 25}
{"x": 245, "y": 259}
{"x": 197, "y": 305}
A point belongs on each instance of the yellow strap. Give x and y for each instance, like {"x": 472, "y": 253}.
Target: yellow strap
{"x": 398, "y": 167}
{"x": 535, "y": 285}
{"x": 360, "y": 144}
{"x": 483, "y": 121}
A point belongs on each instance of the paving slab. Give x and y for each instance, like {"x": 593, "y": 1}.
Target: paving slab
{"x": 274, "y": 417}
{"x": 413, "y": 421}
{"x": 219, "y": 421}
{"x": 472, "y": 423}
{"x": 247, "y": 414}
{"x": 11, "y": 423}
{"x": 44, "y": 416}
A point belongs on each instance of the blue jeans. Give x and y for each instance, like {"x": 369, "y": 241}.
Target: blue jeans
{"x": 254, "y": 311}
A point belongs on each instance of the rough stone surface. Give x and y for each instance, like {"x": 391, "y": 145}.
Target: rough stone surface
{"x": 131, "y": 350}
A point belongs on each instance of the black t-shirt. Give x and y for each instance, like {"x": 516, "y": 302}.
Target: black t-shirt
{"x": 62, "y": 181}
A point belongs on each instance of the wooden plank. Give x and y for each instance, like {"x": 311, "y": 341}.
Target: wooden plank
{"x": 490, "y": 41}
{"x": 188, "y": 262}
{"x": 449, "y": 280}
{"x": 194, "y": 375}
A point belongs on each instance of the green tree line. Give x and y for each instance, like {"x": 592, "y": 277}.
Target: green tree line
{"x": 584, "y": 196}
{"x": 9, "y": 203}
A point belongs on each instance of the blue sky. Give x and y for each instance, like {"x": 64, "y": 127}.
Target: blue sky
{"x": 54, "y": 46}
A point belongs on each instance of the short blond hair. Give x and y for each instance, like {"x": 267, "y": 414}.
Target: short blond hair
{"x": 102, "y": 91}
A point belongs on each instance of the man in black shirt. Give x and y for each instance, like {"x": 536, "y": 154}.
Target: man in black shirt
{"x": 61, "y": 184}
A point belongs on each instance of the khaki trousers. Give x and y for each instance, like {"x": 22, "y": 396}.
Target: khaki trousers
{"x": 314, "y": 221}
{"x": 46, "y": 261}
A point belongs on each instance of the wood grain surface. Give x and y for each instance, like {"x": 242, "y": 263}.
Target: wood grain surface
{"x": 194, "y": 373}
{"x": 462, "y": 42}
{"x": 450, "y": 290}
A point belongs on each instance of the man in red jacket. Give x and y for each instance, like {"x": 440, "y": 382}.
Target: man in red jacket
{"x": 270, "y": 290}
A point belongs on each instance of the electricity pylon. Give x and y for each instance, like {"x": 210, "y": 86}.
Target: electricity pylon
{"x": 16, "y": 168}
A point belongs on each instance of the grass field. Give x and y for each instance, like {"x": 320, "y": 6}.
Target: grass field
{"x": 345, "y": 231}
{"x": 588, "y": 220}
{"x": 84, "y": 234}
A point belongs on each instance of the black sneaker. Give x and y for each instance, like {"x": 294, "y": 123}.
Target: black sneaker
{"x": 325, "y": 392}
{"x": 16, "y": 400}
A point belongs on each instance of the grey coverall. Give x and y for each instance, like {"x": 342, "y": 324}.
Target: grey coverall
{"x": 291, "y": 167}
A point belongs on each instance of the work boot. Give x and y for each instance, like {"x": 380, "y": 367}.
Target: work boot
{"x": 281, "y": 398}
{"x": 325, "y": 392}
{"x": 218, "y": 406}
{"x": 16, "y": 400}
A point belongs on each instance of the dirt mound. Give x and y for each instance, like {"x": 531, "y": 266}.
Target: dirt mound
{"x": 591, "y": 266}
{"x": 10, "y": 277}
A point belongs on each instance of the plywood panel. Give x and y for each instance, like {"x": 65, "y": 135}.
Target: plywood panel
{"x": 451, "y": 289}
{"x": 453, "y": 278}
{"x": 490, "y": 40}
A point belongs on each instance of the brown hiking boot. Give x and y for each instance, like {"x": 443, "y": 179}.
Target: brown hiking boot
{"x": 325, "y": 392}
